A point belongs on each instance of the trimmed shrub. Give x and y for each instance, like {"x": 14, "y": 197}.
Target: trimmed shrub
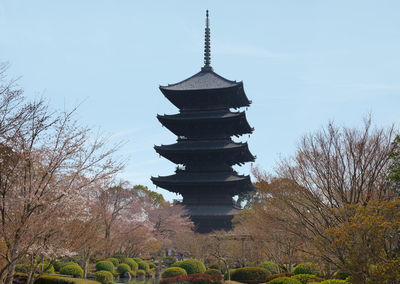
{"x": 272, "y": 267}
{"x": 173, "y": 272}
{"x": 104, "y": 277}
{"x": 306, "y": 278}
{"x": 53, "y": 279}
{"x": 123, "y": 268}
{"x": 119, "y": 256}
{"x": 306, "y": 268}
{"x": 273, "y": 276}
{"x": 191, "y": 266}
{"x": 105, "y": 266}
{"x": 151, "y": 264}
{"x": 143, "y": 266}
{"x": 334, "y": 281}
{"x": 196, "y": 278}
{"x": 114, "y": 261}
{"x": 72, "y": 269}
{"x": 137, "y": 259}
{"x": 151, "y": 272}
{"x": 284, "y": 280}
{"x": 140, "y": 273}
{"x": 213, "y": 272}
{"x": 133, "y": 264}
{"x": 226, "y": 273}
{"x": 250, "y": 275}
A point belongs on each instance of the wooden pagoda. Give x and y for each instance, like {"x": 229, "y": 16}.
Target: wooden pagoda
{"x": 204, "y": 148}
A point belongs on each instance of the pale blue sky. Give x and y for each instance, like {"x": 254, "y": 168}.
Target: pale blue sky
{"x": 302, "y": 62}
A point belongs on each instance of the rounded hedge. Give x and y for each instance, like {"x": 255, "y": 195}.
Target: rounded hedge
{"x": 151, "y": 264}
{"x": 272, "y": 267}
{"x": 143, "y": 266}
{"x": 123, "y": 268}
{"x": 104, "y": 277}
{"x": 341, "y": 275}
{"x": 133, "y": 264}
{"x": 114, "y": 261}
{"x": 334, "y": 281}
{"x": 137, "y": 259}
{"x": 213, "y": 271}
{"x": 284, "y": 274}
{"x": 173, "y": 272}
{"x": 140, "y": 272}
{"x": 250, "y": 275}
{"x": 306, "y": 268}
{"x": 72, "y": 269}
{"x": 284, "y": 280}
{"x": 306, "y": 278}
{"x": 191, "y": 266}
{"x": 105, "y": 266}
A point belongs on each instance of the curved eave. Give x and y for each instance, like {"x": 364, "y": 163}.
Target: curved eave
{"x": 183, "y": 124}
{"x": 232, "y": 96}
{"x": 186, "y": 182}
{"x": 184, "y": 153}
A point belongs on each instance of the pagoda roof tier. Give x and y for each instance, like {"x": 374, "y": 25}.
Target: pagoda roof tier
{"x": 210, "y": 182}
{"x": 208, "y": 152}
{"x": 206, "y": 90}
{"x": 207, "y": 124}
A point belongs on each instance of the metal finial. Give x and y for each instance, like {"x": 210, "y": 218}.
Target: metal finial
{"x": 207, "y": 46}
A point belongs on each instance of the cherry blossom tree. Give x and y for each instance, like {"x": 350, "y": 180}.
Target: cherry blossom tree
{"x": 47, "y": 161}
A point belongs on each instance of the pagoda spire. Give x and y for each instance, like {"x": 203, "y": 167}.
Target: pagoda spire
{"x": 207, "y": 46}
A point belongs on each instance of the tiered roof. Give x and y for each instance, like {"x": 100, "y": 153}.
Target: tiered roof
{"x": 204, "y": 146}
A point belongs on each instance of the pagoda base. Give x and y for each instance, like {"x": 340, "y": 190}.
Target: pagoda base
{"x": 208, "y": 218}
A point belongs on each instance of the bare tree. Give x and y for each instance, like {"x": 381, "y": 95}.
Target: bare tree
{"x": 332, "y": 167}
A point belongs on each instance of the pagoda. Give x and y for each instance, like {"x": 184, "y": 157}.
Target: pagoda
{"x": 205, "y": 153}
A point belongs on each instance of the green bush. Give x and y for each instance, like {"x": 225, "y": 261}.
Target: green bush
{"x": 334, "y": 281}
{"x": 151, "y": 264}
{"x": 133, "y": 264}
{"x": 191, "y": 266}
{"x": 213, "y": 271}
{"x": 53, "y": 279}
{"x": 306, "y": 268}
{"x": 226, "y": 273}
{"x": 114, "y": 261}
{"x": 140, "y": 273}
{"x": 306, "y": 278}
{"x": 272, "y": 267}
{"x": 143, "y": 266}
{"x": 151, "y": 272}
{"x": 104, "y": 277}
{"x": 284, "y": 280}
{"x": 284, "y": 274}
{"x": 105, "y": 266}
{"x": 72, "y": 269}
{"x": 250, "y": 275}
{"x": 123, "y": 268}
{"x": 137, "y": 259}
{"x": 120, "y": 257}
{"x": 341, "y": 275}
{"x": 173, "y": 272}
